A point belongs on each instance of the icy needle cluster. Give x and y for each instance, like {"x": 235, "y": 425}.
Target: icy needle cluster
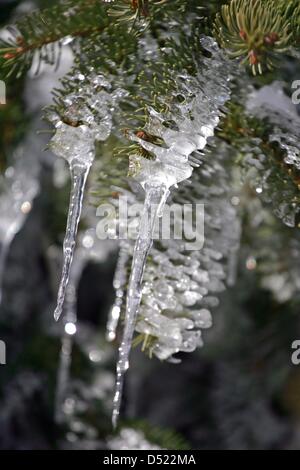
{"x": 87, "y": 117}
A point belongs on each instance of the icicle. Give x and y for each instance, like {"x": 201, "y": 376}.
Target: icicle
{"x": 270, "y": 102}
{"x": 76, "y": 145}
{"x": 14, "y": 207}
{"x": 195, "y": 119}
{"x": 155, "y": 197}
{"x": 88, "y": 117}
{"x": 69, "y": 331}
{"x": 79, "y": 175}
{"x": 119, "y": 284}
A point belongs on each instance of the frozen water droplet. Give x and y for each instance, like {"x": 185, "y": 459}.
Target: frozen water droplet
{"x": 154, "y": 197}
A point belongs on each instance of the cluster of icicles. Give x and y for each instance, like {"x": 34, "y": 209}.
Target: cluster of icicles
{"x": 171, "y": 302}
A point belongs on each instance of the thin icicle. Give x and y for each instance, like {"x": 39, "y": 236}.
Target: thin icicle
{"x": 196, "y": 118}
{"x": 79, "y": 175}
{"x": 76, "y": 145}
{"x": 155, "y": 197}
{"x": 119, "y": 285}
{"x": 87, "y": 117}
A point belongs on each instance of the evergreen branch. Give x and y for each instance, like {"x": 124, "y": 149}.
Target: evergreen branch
{"x": 133, "y": 10}
{"x": 42, "y": 32}
{"x": 140, "y": 14}
{"x": 263, "y": 162}
{"x": 253, "y": 30}
{"x": 147, "y": 70}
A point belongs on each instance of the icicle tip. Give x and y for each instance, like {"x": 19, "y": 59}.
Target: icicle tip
{"x": 57, "y": 314}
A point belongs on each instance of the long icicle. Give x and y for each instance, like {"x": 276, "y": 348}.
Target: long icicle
{"x": 195, "y": 121}
{"x": 79, "y": 173}
{"x": 155, "y": 197}
{"x": 87, "y": 118}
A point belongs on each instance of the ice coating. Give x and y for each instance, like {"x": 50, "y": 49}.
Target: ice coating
{"x": 194, "y": 120}
{"x": 79, "y": 175}
{"x": 272, "y": 103}
{"x": 87, "y": 117}
{"x": 181, "y": 287}
{"x": 155, "y": 196}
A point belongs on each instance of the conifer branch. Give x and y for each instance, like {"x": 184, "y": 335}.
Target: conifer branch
{"x": 254, "y": 30}
{"x": 43, "y": 32}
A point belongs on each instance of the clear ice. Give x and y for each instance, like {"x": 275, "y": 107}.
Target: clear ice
{"x": 87, "y": 118}
{"x": 65, "y": 358}
{"x": 195, "y": 119}
{"x": 154, "y": 197}
{"x": 119, "y": 284}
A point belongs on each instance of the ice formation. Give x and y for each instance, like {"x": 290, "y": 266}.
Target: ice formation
{"x": 194, "y": 121}
{"x": 181, "y": 286}
{"x": 119, "y": 284}
{"x": 272, "y": 103}
{"x": 87, "y": 117}
{"x": 70, "y": 328}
